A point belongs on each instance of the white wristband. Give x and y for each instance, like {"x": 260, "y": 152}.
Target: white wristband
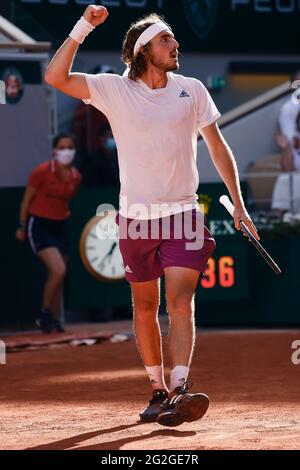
{"x": 81, "y": 30}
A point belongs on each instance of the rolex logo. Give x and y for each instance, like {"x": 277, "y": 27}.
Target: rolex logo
{"x": 204, "y": 202}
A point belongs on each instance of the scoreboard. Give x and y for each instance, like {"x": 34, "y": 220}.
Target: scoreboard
{"x": 226, "y": 276}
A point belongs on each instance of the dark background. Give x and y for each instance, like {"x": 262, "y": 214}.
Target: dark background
{"x": 228, "y": 26}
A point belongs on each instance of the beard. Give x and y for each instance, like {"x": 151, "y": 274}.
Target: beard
{"x": 169, "y": 66}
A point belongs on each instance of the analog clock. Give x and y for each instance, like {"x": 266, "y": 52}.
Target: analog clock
{"x": 99, "y": 248}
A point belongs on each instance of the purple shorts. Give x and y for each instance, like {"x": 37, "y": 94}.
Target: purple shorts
{"x": 150, "y": 246}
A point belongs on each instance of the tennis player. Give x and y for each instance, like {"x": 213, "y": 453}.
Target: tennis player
{"x": 155, "y": 115}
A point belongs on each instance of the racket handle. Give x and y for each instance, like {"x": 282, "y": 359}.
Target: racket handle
{"x": 227, "y": 204}
{"x": 230, "y": 207}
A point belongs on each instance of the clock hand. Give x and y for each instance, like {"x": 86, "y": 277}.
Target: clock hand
{"x": 110, "y": 252}
{"x": 108, "y": 255}
{"x": 112, "y": 248}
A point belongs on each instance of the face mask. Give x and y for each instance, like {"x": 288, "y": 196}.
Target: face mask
{"x": 110, "y": 144}
{"x": 65, "y": 156}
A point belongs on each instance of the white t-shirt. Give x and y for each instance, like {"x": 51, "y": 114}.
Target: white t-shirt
{"x": 156, "y": 135}
{"x": 287, "y": 118}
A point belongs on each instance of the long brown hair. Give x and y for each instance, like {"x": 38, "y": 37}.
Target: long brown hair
{"x": 138, "y": 64}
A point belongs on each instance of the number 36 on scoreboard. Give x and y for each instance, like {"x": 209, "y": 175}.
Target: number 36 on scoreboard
{"x": 219, "y": 272}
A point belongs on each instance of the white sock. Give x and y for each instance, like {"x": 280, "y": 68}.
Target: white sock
{"x": 156, "y": 377}
{"x": 179, "y": 375}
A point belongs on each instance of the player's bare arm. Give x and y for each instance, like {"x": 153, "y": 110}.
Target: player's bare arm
{"x": 29, "y": 194}
{"x": 58, "y": 73}
{"x": 225, "y": 164}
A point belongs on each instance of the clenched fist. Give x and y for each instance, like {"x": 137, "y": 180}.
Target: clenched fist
{"x": 95, "y": 14}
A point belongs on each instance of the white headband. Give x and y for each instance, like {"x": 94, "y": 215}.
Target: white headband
{"x": 149, "y": 34}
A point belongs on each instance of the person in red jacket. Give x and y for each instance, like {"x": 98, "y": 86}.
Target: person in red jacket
{"x": 43, "y": 214}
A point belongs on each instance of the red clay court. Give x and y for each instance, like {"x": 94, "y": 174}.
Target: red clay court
{"x": 67, "y": 398}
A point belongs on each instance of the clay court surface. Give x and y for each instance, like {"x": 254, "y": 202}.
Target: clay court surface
{"x": 67, "y": 397}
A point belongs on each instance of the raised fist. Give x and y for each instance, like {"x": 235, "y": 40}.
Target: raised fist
{"x": 95, "y": 14}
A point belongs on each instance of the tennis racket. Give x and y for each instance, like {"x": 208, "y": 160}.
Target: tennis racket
{"x": 229, "y": 206}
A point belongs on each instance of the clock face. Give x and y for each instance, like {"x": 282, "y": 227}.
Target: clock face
{"x": 99, "y": 249}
